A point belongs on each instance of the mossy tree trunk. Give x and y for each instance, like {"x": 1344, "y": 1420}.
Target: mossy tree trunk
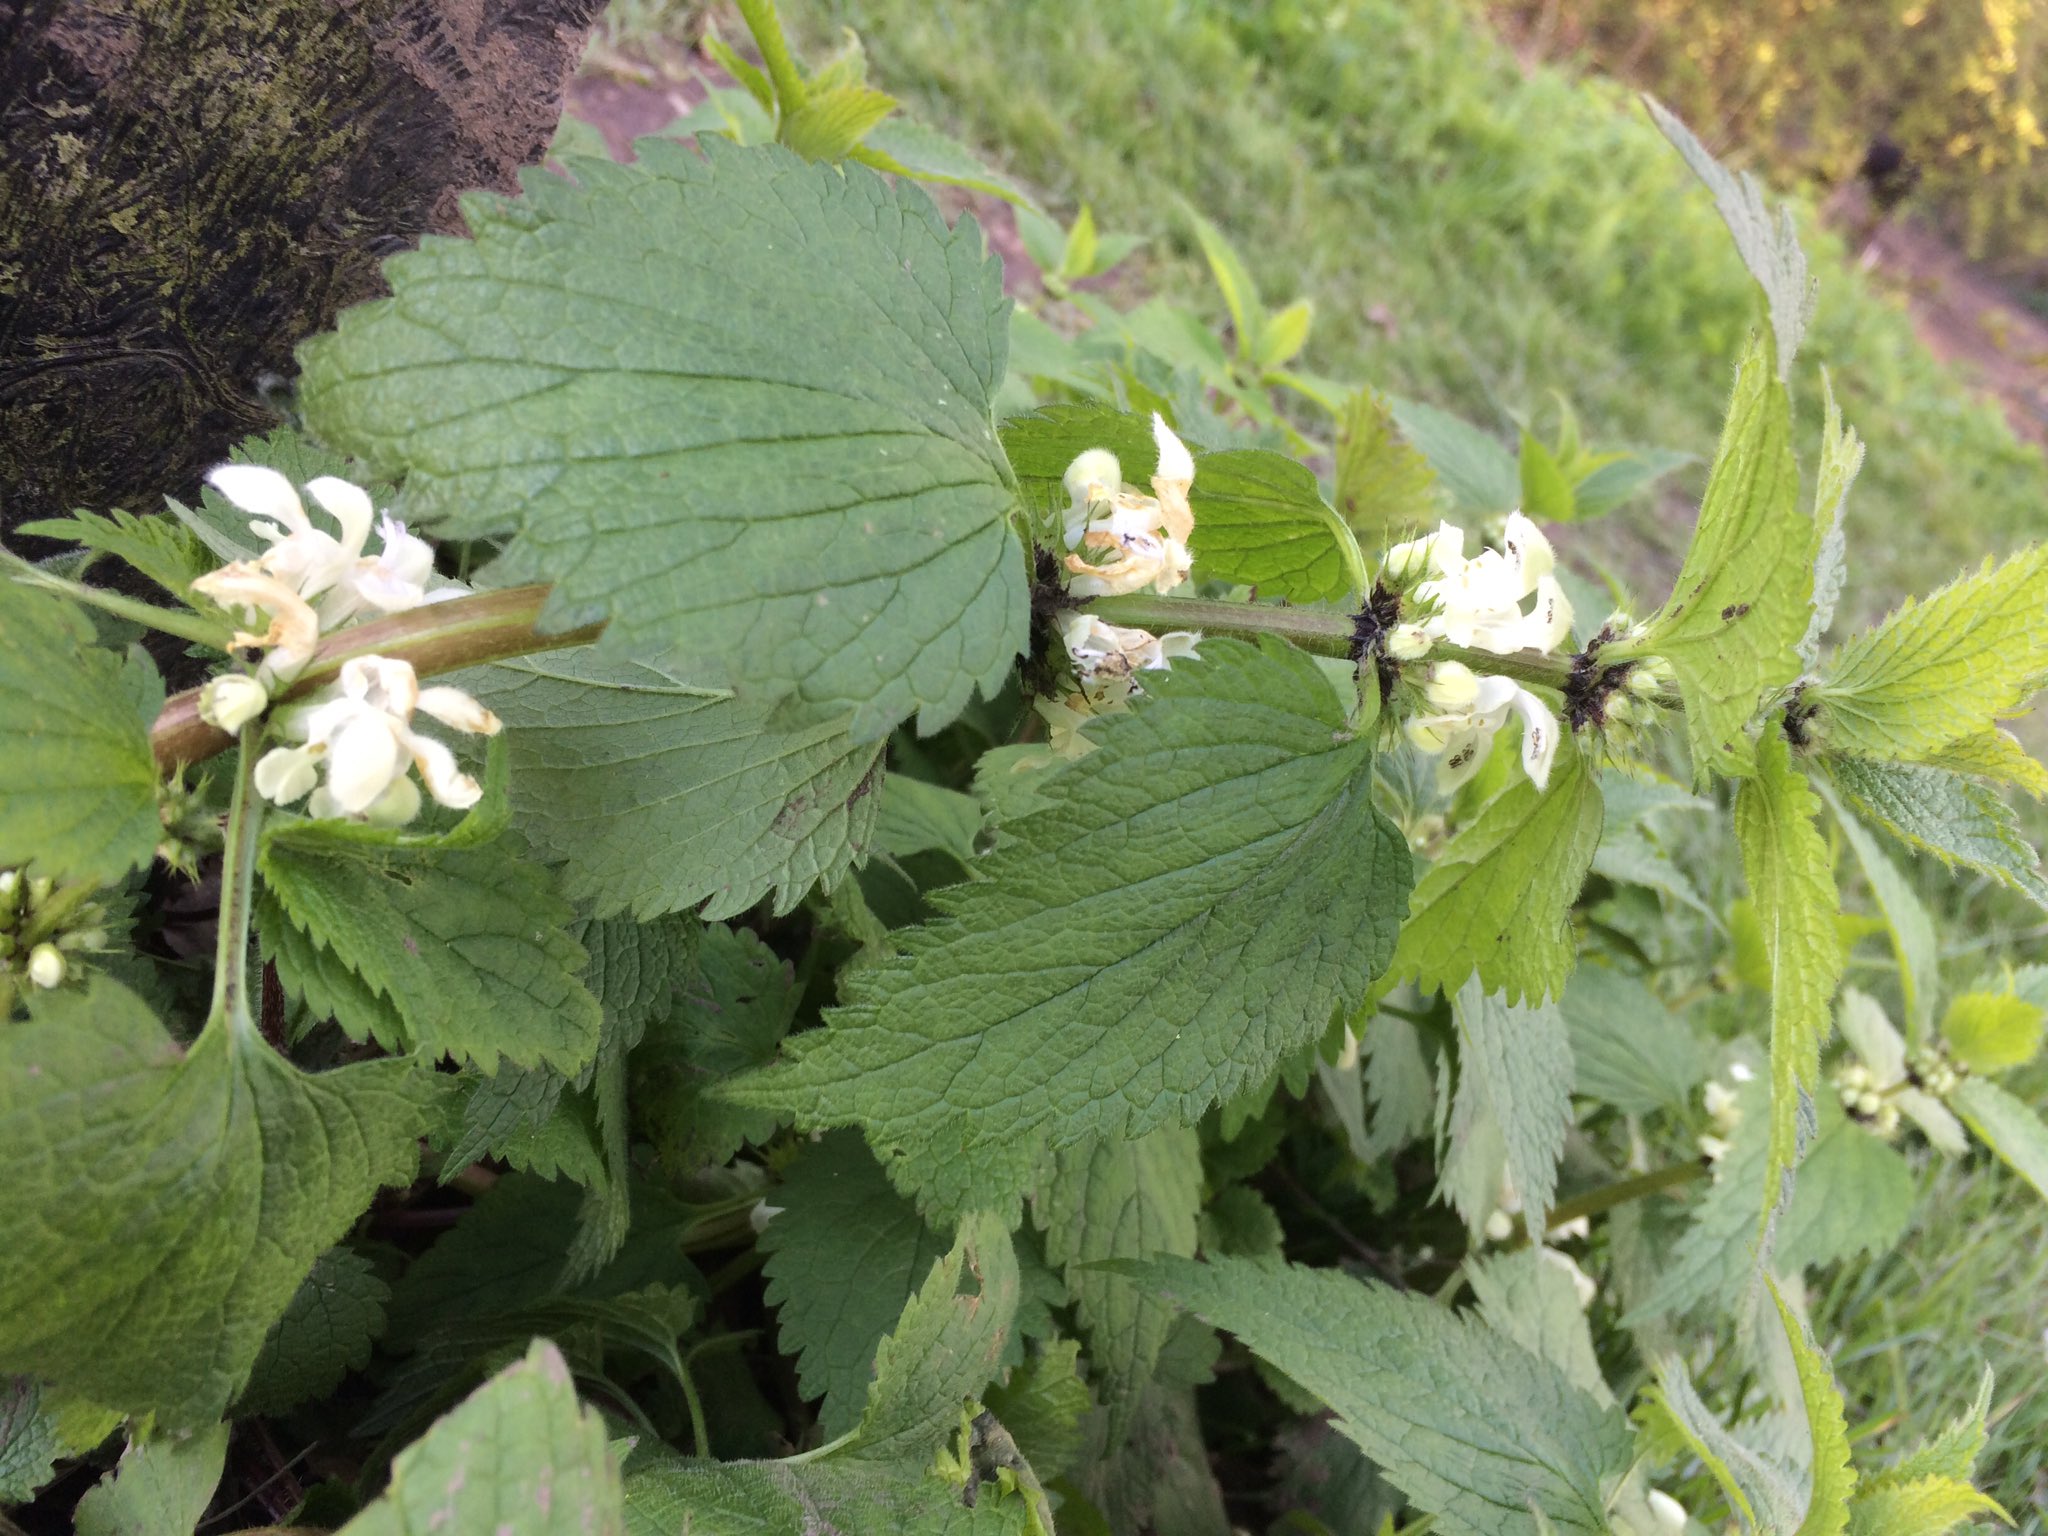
{"x": 190, "y": 187}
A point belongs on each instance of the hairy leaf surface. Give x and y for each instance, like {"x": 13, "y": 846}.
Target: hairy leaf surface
{"x": 1515, "y": 1067}
{"x": 1933, "y": 810}
{"x": 326, "y": 1331}
{"x": 734, "y": 404}
{"x": 2008, "y": 1127}
{"x": 849, "y": 1498}
{"x": 161, "y": 1486}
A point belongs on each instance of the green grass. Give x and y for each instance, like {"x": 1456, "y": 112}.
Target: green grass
{"x": 1525, "y": 233}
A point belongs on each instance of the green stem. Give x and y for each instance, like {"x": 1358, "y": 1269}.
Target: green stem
{"x": 762, "y": 21}
{"x": 237, "y": 898}
{"x": 169, "y": 621}
{"x": 700, "y": 1432}
{"x": 1595, "y": 1201}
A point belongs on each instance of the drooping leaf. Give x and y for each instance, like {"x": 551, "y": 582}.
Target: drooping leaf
{"x": 159, "y": 1488}
{"x": 831, "y": 518}
{"x": 1477, "y": 1431}
{"x": 1050, "y": 1000}
{"x": 464, "y": 950}
{"x": 1497, "y": 901}
{"x": 1628, "y": 1049}
{"x": 660, "y": 794}
{"x": 326, "y": 1331}
{"x": 851, "y": 1498}
{"x": 81, "y": 783}
{"x": 519, "y": 1452}
{"x": 1516, "y": 1061}
{"x": 947, "y": 1346}
{"x": 1932, "y": 810}
{"x": 839, "y": 1217}
{"x": 1111, "y": 1199}
{"x": 2007, "y": 1126}
{"x": 1767, "y": 241}
{"x": 1385, "y": 488}
{"x": 163, "y": 1205}
{"x": 1736, "y": 614}
{"x": 1943, "y": 669}
{"x": 1792, "y": 881}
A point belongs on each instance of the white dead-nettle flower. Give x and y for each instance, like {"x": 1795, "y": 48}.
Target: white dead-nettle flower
{"x": 1877, "y": 1090}
{"x": 1669, "y": 1514}
{"x": 334, "y": 574}
{"x": 360, "y": 731}
{"x": 245, "y": 588}
{"x": 46, "y": 966}
{"x": 760, "y": 1213}
{"x": 1465, "y": 710}
{"x": 1135, "y": 540}
{"x": 232, "y": 700}
{"x": 1106, "y": 656}
{"x": 1478, "y": 602}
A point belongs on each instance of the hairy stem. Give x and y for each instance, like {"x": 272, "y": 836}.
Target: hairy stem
{"x": 1595, "y": 1201}
{"x": 766, "y": 26}
{"x": 237, "y": 897}
{"x": 170, "y": 621}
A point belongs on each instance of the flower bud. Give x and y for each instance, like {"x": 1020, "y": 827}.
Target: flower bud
{"x": 232, "y": 700}
{"x": 1669, "y": 1514}
{"x": 1407, "y": 642}
{"x": 1713, "y": 1148}
{"x": 39, "y": 889}
{"x": 46, "y": 966}
{"x": 1094, "y": 475}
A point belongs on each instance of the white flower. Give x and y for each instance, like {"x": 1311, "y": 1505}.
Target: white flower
{"x": 1721, "y": 1103}
{"x": 1105, "y": 655}
{"x": 1143, "y": 537}
{"x": 1580, "y": 1227}
{"x": 761, "y": 1213}
{"x": 244, "y": 587}
{"x": 232, "y": 700}
{"x": 361, "y": 732}
{"x": 1713, "y": 1148}
{"x": 1669, "y": 1514}
{"x": 1878, "y": 1090}
{"x": 333, "y": 573}
{"x": 46, "y": 966}
{"x": 1478, "y": 602}
{"x": 1741, "y": 1072}
{"x": 1466, "y": 710}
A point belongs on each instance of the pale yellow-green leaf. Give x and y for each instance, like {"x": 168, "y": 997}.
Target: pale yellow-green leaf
{"x": 1284, "y": 335}
{"x": 1992, "y": 1031}
{"x": 1995, "y": 755}
{"x": 1833, "y": 1480}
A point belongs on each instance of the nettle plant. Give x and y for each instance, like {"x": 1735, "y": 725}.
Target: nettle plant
{"x": 846, "y": 935}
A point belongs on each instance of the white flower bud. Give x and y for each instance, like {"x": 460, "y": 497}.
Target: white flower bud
{"x": 232, "y": 700}
{"x": 1408, "y": 642}
{"x": 1669, "y": 1514}
{"x": 1741, "y": 1072}
{"x": 46, "y": 966}
{"x": 1720, "y": 1100}
{"x": 1713, "y": 1148}
{"x": 763, "y": 1213}
{"x": 1500, "y": 1226}
{"x": 9, "y": 878}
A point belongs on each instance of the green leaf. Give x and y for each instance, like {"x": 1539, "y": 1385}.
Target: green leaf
{"x": 160, "y": 1488}
{"x": 31, "y": 1439}
{"x": 326, "y": 1331}
{"x": 832, "y": 519}
{"x": 1912, "y": 929}
{"x": 1042, "y": 1405}
{"x": 1930, "y": 1506}
{"x": 1497, "y": 901}
{"x": 1546, "y": 494}
{"x": 519, "y": 1453}
{"x": 463, "y": 949}
{"x": 163, "y": 1205}
{"x": 906, "y": 147}
{"x": 1240, "y": 293}
{"x": 1992, "y": 1032}
{"x": 1932, "y": 810}
{"x": 1841, "y": 457}
{"x": 1733, "y": 622}
{"x": 916, "y": 817}
{"x": 1515, "y": 1067}
{"x": 831, "y": 123}
{"x": 947, "y": 1346}
{"x": 1530, "y": 1297}
{"x": 734, "y": 1010}
{"x": 839, "y": 1216}
{"x": 1473, "y": 466}
{"x": 1261, "y": 520}
{"x": 1628, "y": 1049}
{"x": 750, "y": 76}
{"x": 1623, "y": 478}
{"x": 1768, "y": 243}
{"x": 757, "y": 1498}
{"x": 662, "y": 795}
{"x": 1951, "y": 1455}
{"x": 1385, "y": 488}
{"x": 1832, "y": 1479}
{"x": 1160, "y": 1479}
{"x": 1284, "y": 334}
{"x": 1996, "y": 757}
{"x": 1943, "y": 669}
{"x": 1758, "y": 1488}
{"x": 1475, "y": 1430}
{"x": 160, "y": 548}
{"x": 2007, "y": 1126}
{"x": 81, "y": 783}
{"x": 1049, "y": 999}
{"x": 1792, "y": 881}
{"x": 1111, "y": 1199}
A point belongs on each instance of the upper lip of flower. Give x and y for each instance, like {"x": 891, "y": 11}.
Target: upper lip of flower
{"x": 1148, "y": 534}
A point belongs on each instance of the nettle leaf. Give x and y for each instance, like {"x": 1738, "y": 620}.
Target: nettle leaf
{"x": 1792, "y": 881}
{"x": 735, "y": 1006}
{"x": 1932, "y": 810}
{"x": 1768, "y": 243}
{"x": 1941, "y": 670}
{"x": 1385, "y": 487}
{"x": 906, "y": 147}
{"x": 916, "y": 817}
{"x": 1628, "y": 1049}
{"x": 1530, "y": 1297}
{"x": 1042, "y": 1405}
{"x": 1740, "y": 606}
{"x": 519, "y": 1443}
{"x": 947, "y": 1346}
{"x": 2007, "y": 1126}
{"x": 660, "y": 794}
{"x": 1992, "y": 1032}
{"x": 1497, "y": 901}
{"x": 1912, "y": 928}
{"x": 162, "y": 1486}
{"x": 326, "y": 1331}
{"x": 1931, "y": 1506}
{"x": 851, "y": 1498}
{"x": 1831, "y": 1477}
{"x": 1260, "y": 518}
{"x": 1515, "y": 1068}
{"x": 1841, "y": 458}
{"x": 81, "y": 783}
{"x": 1475, "y": 1430}
{"x": 1996, "y": 757}
{"x": 1052, "y": 997}
{"x": 1112, "y": 1199}
{"x": 462, "y": 951}
{"x": 1474, "y": 467}
{"x": 840, "y": 1216}
{"x": 159, "y": 547}
{"x": 163, "y": 1205}
{"x": 605, "y": 373}
{"x": 1763, "y": 1492}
